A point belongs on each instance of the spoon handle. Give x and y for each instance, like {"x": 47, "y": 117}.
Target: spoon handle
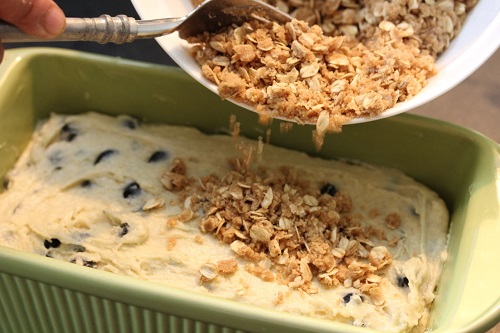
{"x": 104, "y": 29}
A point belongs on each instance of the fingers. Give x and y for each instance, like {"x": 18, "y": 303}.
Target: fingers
{"x": 41, "y": 18}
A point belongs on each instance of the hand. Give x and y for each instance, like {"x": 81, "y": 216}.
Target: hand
{"x": 41, "y": 18}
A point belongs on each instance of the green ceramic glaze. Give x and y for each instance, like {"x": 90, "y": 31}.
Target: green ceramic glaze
{"x": 38, "y": 294}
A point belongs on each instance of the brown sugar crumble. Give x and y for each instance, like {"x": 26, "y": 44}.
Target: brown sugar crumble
{"x": 227, "y": 266}
{"x": 336, "y": 61}
{"x": 358, "y": 19}
{"x": 286, "y": 230}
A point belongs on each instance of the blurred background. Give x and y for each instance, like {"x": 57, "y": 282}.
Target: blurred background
{"x": 475, "y": 103}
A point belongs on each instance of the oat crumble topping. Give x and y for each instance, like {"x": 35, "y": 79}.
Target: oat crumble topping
{"x": 286, "y": 229}
{"x": 338, "y": 60}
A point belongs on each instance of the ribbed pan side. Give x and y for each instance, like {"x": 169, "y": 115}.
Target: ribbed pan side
{"x": 31, "y": 306}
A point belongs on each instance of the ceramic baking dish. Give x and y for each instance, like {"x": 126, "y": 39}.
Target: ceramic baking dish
{"x": 39, "y": 294}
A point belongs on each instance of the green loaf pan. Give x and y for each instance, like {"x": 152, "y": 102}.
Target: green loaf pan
{"x": 39, "y": 294}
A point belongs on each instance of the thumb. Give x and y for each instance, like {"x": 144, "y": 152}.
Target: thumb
{"x": 41, "y": 18}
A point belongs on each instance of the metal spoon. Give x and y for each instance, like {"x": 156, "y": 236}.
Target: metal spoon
{"x": 210, "y": 16}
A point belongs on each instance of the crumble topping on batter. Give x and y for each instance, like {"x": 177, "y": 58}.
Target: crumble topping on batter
{"x": 230, "y": 217}
{"x": 289, "y": 230}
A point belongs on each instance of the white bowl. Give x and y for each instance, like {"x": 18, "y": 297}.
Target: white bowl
{"x": 477, "y": 41}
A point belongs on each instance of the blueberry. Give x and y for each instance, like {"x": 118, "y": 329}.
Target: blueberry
{"x": 85, "y": 262}
{"x": 124, "y": 228}
{"x": 132, "y": 190}
{"x": 68, "y": 133}
{"x": 158, "y": 156}
{"x": 86, "y": 183}
{"x": 104, "y": 155}
{"x": 5, "y": 183}
{"x": 130, "y": 123}
{"x": 329, "y": 189}
{"x": 53, "y": 242}
{"x": 83, "y": 235}
{"x": 403, "y": 281}
{"x": 56, "y": 157}
{"x": 89, "y": 263}
{"x": 347, "y": 298}
{"x": 79, "y": 248}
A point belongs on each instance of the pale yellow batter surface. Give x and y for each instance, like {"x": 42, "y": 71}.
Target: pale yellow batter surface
{"x": 343, "y": 241}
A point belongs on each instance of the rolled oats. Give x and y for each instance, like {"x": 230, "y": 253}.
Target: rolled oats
{"x": 287, "y": 229}
{"x": 208, "y": 272}
{"x": 153, "y": 203}
{"x": 350, "y": 58}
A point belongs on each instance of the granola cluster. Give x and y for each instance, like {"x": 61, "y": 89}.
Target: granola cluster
{"x": 433, "y": 22}
{"x": 337, "y": 60}
{"x": 289, "y": 230}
